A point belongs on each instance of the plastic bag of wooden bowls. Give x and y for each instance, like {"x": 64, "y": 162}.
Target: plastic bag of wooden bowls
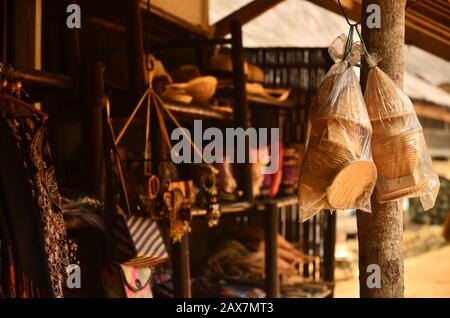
{"x": 338, "y": 171}
{"x": 404, "y": 165}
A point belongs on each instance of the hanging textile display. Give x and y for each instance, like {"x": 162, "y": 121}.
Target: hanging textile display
{"x": 405, "y": 169}
{"x": 338, "y": 171}
{"x": 32, "y": 231}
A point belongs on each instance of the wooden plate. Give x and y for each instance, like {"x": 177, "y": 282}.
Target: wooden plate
{"x": 350, "y": 183}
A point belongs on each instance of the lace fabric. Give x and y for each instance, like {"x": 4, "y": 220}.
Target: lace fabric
{"x": 30, "y": 135}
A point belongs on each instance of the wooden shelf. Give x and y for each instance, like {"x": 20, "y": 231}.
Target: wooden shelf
{"x": 261, "y": 101}
{"x": 259, "y": 205}
{"x": 281, "y": 202}
{"x": 226, "y": 208}
{"x": 257, "y": 101}
{"x": 192, "y": 111}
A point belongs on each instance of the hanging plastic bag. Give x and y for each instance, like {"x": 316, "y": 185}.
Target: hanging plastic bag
{"x": 338, "y": 172}
{"x": 404, "y": 165}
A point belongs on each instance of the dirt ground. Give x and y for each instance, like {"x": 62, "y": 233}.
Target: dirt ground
{"x": 426, "y": 275}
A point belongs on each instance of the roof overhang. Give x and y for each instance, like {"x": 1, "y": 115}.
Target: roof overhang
{"x": 426, "y": 24}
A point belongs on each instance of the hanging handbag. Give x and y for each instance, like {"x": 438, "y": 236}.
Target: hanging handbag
{"x": 122, "y": 281}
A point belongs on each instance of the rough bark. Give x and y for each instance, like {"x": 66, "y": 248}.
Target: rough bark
{"x": 380, "y": 233}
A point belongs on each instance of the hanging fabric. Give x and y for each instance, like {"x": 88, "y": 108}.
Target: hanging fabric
{"x": 32, "y": 230}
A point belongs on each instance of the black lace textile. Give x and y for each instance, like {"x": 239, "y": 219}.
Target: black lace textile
{"x": 33, "y": 247}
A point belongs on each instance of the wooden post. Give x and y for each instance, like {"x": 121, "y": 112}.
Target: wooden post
{"x": 241, "y": 109}
{"x": 181, "y": 268}
{"x": 135, "y": 49}
{"x": 329, "y": 242}
{"x": 71, "y": 47}
{"x": 306, "y": 247}
{"x": 380, "y": 233}
{"x": 92, "y": 126}
{"x": 4, "y": 31}
{"x": 271, "y": 264}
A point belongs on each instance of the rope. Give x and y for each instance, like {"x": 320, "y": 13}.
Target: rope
{"x": 175, "y": 121}
{"x": 117, "y": 156}
{"x": 130, "y": 119}
{"x": 354, "y": 26}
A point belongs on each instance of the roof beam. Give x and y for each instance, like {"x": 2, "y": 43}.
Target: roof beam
{"x": 244, "y": 15}
{"x": 432, "y": 111}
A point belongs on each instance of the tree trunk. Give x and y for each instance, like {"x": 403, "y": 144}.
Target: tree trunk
{"x": 380, "y": 233}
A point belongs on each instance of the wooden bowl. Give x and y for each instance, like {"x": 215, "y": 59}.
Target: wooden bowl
{"x": 200, "y": 88}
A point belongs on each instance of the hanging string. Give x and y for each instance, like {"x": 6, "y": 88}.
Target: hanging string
{"x": 362, "y": 42}
{"x": 349, "y": 43}
{"x": 354, "y": 26}
{"x": 345, "y": 15}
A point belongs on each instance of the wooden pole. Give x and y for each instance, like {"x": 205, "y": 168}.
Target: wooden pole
{"x": 271, "y": 259}
{"x": 92, "y": 118}
{"x": 306, "y": 246}
{"x": 380, "y": 233}
{"x": 242, "y": 116}
{"x": 329, "y": 242}
{"x": 135, "y": 49}
{"x": 181, "y": 268}
{"x": 4, "y": 31}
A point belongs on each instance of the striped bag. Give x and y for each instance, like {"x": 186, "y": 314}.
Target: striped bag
{"x": 137, "y": 241}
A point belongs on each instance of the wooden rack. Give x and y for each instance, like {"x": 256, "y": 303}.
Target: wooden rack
{"x": 87, "y": 80}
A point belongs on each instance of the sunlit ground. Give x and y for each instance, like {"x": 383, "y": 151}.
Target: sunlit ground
{"x": 427, "y": 261}
{"x": 426, "y": 275}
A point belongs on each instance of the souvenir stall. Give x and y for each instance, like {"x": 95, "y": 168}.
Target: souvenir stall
{"x": 97, "y": 186}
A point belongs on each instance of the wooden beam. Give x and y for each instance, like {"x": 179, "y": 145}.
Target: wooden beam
{"x": 271, "y": 219}
{"x": 427, "y": 40}
{"x": 37, "y": 78}
{"x": 432, "y": 111}
{"x": 242, "y": 115}
{"x": 352, "y": 8}
{"x": 91, "y": 115}
{"x": 4, "y": 32}
{"x": 419, "y": 18}
{"x": 439, "y": 6}
{"x": 244, "y": 15}
{"x": 431, "y": 12}
{"x": 135, "y": 49}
